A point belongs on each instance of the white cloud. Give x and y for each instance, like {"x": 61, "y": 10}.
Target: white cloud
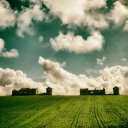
{"x": 125, "y": 2}
{"x": 119, "y": 15}
{"x": 124, "y": 59}
{"x": 64, "y": 82}
{"x": 67, "y": 11}
{"x": 25, "y": 18}
{"x": 101, "y": 61}
{"x": 13, "y": 53}
{"x": 11, "y": 79}
{"x": 1, "y": 44}
{"x": 77, "y": 44}
{"x": 79, "y": 12}
{"x": 7, "y": 15}
{"x": 126, "y": 26}
{"x": 40, "y": 39}
{"x": 96, "y": 20}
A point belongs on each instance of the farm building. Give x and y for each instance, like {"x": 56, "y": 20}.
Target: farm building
{"x": 98, "y": 92}
{"x": 116, "y": 90}
{"x": 24, "y": 91}
{"x": 92, "y": 92}
{"x": 48, "y": 91}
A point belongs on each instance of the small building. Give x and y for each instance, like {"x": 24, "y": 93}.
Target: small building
{"x": 116, "y": 90}
{"x": 24, "y": 91}
{"x": 48, "y": 91}
{"x": 84, "y": 91}
{"x": 92, "y": 92}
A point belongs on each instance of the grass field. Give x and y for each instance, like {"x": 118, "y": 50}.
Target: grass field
{"x": 64, "y": 112}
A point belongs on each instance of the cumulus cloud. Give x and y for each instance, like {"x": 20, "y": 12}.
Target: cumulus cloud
{"x": 11, "y": 79}
{"x": 64, "y": 82}
{"x": 77, "y": 44}
{"x": 101, "y": 61}
{"x": 1, "y": 44}
{"x": 119, "y": 15}
{"x": 124, "y": 59}
{"x": 25, "y": 18}
{"x": 79, "y": 12}
{"x": 96, "y": 21}
{"x": 125, "y": 2}
{"x": 13, "y": 53}
{"x": 126, "y": 26}
{"x": 7, "y": 15}
{"x": 40, "y": 39}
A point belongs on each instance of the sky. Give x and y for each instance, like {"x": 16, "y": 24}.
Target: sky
{"x": 64, "y": 44}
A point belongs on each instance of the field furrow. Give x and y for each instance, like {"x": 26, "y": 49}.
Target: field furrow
{"x": 42, "y": 117}
{"x": 100, "y": 121}
{"x": 116, "y": 115}
{"x": 76, "y": 117}
{"x": 68, "y": 115}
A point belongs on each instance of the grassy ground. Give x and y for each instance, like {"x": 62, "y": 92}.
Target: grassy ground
{"x": 64, "y": 112}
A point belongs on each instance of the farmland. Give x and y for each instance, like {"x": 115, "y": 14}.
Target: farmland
{"x": 64, "y": 112}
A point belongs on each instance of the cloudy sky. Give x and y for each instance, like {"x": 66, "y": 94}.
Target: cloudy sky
{"x": 66, "y": 44}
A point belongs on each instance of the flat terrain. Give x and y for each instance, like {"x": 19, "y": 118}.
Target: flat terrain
{"x": 64, "y": 112}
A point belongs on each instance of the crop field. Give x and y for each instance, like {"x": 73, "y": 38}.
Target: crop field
{"x": 64, "y": 112}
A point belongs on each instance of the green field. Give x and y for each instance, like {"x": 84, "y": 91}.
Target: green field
{"x": 64, "y": 112}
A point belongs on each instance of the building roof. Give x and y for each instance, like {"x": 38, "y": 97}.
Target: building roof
{"x": 49, "y": 87}
{"x": 24, "y": 89}
{"x": 115, "y": 87}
